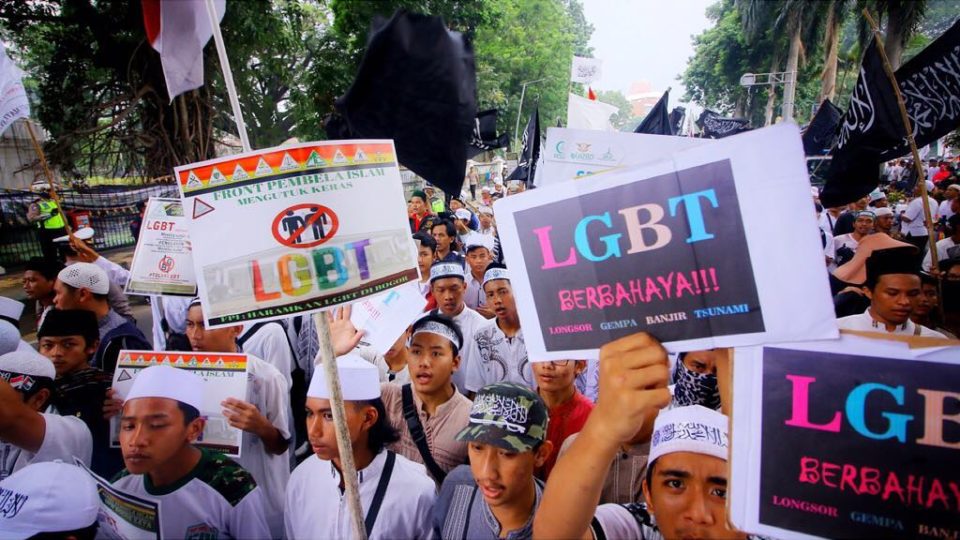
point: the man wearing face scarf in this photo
(695, 380)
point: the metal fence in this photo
(109, 210)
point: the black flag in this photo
(819, 136)
(676, 119)
(872, 130)
(416, 85)
(529, 151)
(715, 126)
(657, 121)
(484, 136)
(870, 126)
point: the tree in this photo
(624, 114)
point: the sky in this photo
(645, 40)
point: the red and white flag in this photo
(178, 30)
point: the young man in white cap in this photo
(497, 495)
(85, 286)
(950, 194)
(497, 351)
(479, 252)
(845, 245)
(79, 248)
(30, 431)
(686, 482)
(463, 224)
(34, 503)
(429, 411)
(884, 221)
(448, 287)
(10, 312)
(396, 495)
(264, 415)
(203, 494)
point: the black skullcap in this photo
(70, 322)
(900, 260)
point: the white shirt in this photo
(915, 213)
(474, 296)
(497, 358)
(117, 274)
(270, 344)
(175, 310)
(64, 438)
(317, 509)
(217, 499)
(946, 209)
(866, 323)
(468, 321)
(942, 247)
(368, 353)
(266, 389)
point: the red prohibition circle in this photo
(333, 226)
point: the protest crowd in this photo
(456, 429)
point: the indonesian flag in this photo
(178, 30)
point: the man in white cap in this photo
(85, 286)
(202, 494)
(486, 196)
(79, 248)
(264, 415)
(497, 351)
(486, 220)
(878, 199)
(10, 312)
(30, 431)
(396, 495)
(479, 253)
(951, 194)
(686, 481)
(42, 508)
(845, 245)
(448, 287)
(463, 225)
(884, 222)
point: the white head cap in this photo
(955, 187)
(478, 240)
(463, 213)
(485, 210)
(20, 369)
(88, 276)
(9, 337)
(930, 185)
(877, 195)
(11, 310)
(170, 383)
(445, 269)
(694, 428)
(359, 380)
(883, 212)
(83, 233)
(485, 189)
(45, 506)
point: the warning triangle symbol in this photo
(201, 208)
(217, 177)
(263, 168)
(124, 376)
(315, 160)
(288, 163)
(239, 173)
(338, 157)
(193, 181)
(359, 156)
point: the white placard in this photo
(385, 316)
(163, 259)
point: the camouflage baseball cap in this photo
(507, 415)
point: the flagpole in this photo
(228, 75)
(48, 174)
(917, 164)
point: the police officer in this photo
(45, 212)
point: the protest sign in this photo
(123, 516)
(296, 228)
(846, 439)
(574, 153)
(163, 261)
(716, 247)
(225, 375)
(385, 316)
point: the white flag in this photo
(583, 113)
(178, 30)
(13, 98)
(585, 70)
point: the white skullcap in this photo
(441, 270)
(930, 186)
(9, 337)
(485, 188)
(495, 273)
(693, 428)
(877, 195)
(954, 186)
(83, 233)
(883, 212)
(498, 181)
(170, 383)
(463, 213)
(359, 380)
(26, 362)
(41, 186)
(485, 209)
(88, 276)
(478, 240)
(46, 507)
(10, 310)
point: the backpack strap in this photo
(416, 433)
(378, 496)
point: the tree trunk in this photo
(790, 88)
(828, 82)
(771, 95)
(896, 30)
